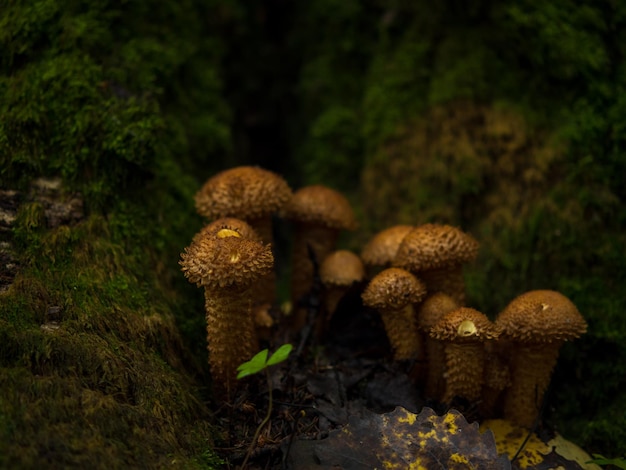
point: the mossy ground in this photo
(114, 100)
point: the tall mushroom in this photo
(251, 194)
(436, 253)
(434, 307)
(226, 265)
(319, 214)
(463, 332)
(393, 292)
(537, 323)
(381, 250)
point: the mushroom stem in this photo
(531, 369)
(497, 378)
(231, 335)
(464, 371)
(435, 354)
(264, 290)
(322, 241)
(448, 280)
(332, 297)
(401, 328)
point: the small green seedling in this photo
(258, 363)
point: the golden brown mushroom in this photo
(463, 332)
(340, 270)
(537, 324)
(436, 253)
(434, 307)
(393, 292)
(319, 214)
(226, 264)
(381, 250)
(251, 194)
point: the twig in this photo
(263, 423)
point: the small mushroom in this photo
(393, 292)
(381, 250)
(319, 214)
(537, 323)
(251, 194)
(463, 332)
(434, 307)
(339, 271)
(226, 265)
(436, 253)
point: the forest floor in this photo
(341, 402)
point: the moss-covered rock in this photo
(115, 105)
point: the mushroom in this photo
(251, 194)
(463, 332)
(537, 323)
(262, 319)
(382, 247)
(393, 292)
(437, 253)
(434, 307)
(319, 214)
(226, 264)
(339, 271)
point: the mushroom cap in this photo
(320, 205)
(433, 308)
(393, 289)
(229, 223)
(383, 246)
(222, 258)
(541, 316)
(247, 192)
(464, 324)
(342, 268)
(435, 246)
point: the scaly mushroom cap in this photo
(229, 223)
(382, 248)
(464, 324)
(320, 205)
(393, 288)
(342, 268)
(541, 316)
(224, 258)
(433, 308)
(433, 246)
(245, 192)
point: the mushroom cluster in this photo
(411, 275)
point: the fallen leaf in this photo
(404, 440)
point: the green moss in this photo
(122, 102)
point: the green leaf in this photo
(280, 355)
(254, 365)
